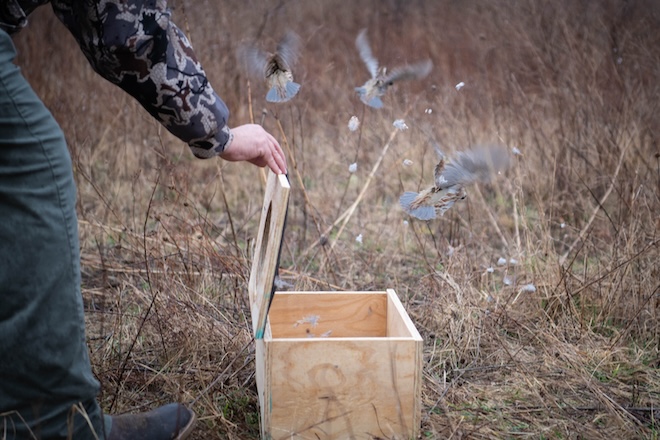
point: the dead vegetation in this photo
(574, 86)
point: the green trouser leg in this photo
(46, 378)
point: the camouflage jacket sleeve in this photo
(133, 44)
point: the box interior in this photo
(336, 315)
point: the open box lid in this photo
(267, 250)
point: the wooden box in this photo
(329, 365)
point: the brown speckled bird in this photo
(468, 167)
(376, 87)
(274, 67)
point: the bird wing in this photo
(365, 53)
(477, 164)
(439, 168)
(409, 71)
(254, 59)
(289, 48)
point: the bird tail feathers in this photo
(292, 89)
(375, 102)
(419, 212)
(406, 200)
(282, 95)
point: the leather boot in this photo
(169, 422)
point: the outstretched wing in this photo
(289, 48)
(409, 71)
(365, 53)
(254, 59)
(478, 164)
(439, 168)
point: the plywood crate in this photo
(329, 365)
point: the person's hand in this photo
(255, 145)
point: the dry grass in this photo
(575, 86)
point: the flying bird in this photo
(275, 68)
(381, 79)
(451, 179)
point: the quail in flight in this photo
(451, 179)
(381, 79)
(275, 68)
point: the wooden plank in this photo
(399, 323)
(262, 377)
(267, 249)
(340, 388)
(328, 314)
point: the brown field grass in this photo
(574, 85)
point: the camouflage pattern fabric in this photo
(135, 45)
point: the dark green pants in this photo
(45, 372)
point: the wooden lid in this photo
(267, 250)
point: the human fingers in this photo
(270, 154)
(279, 157)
